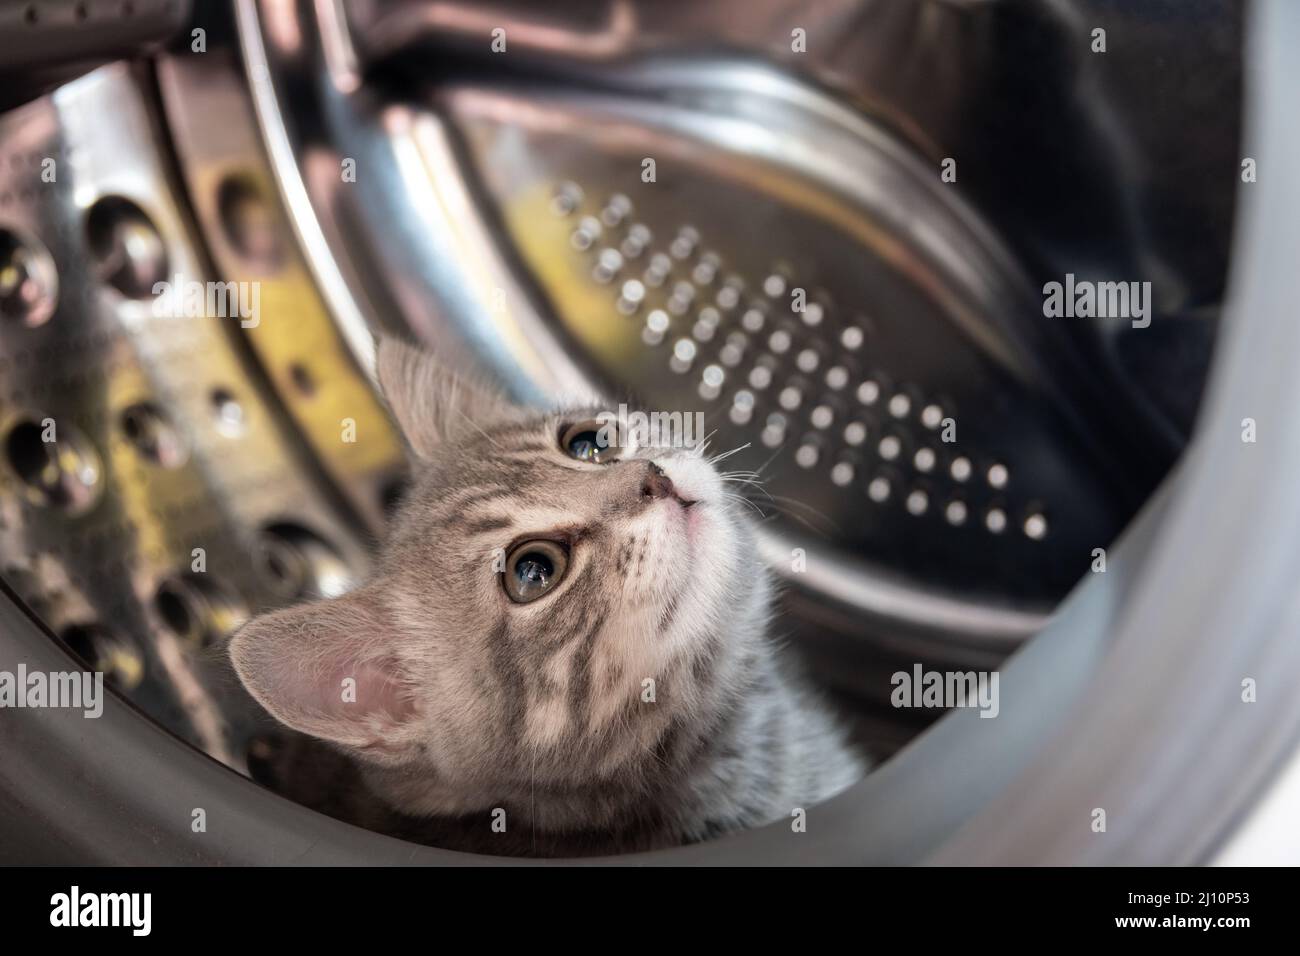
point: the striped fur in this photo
(468, 703)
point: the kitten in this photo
(575, 635)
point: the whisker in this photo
(701, 446)
(794, 502)
(785, 505)
(749, 488)
(727, 454)
(746, 481)
(731, 496)
(475, 424)
(780, 448)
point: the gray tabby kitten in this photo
(573, 634)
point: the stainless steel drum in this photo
(838, 260)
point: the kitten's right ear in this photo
(430, 401)
(331, 669)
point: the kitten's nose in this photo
(656, 483)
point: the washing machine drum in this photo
(944, 440)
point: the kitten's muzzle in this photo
(657, 484)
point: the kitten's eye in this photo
(534, 569)
(596, 442)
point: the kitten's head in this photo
(546, 615)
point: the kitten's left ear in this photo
(430, 401)
(330, 669)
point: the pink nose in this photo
(656, 484)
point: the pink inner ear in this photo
(295, 662)
(378, 703)
(380, 693)
(311, 696)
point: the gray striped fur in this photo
(467, 703)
